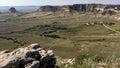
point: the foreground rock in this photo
(32, 56)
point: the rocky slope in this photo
(32, 56)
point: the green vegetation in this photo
(66, 35)
(87, 62)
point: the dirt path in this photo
(111, 29)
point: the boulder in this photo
(34, 64)
(31, 56)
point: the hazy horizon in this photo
(54, 2)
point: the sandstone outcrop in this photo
(32, 56)
(98, 8)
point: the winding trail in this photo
(111, 29)
(104, 36)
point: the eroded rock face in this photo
(97, 8)
(32, 56)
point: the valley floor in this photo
(67, 35)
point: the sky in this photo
(53, 2)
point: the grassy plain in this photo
(67, 35)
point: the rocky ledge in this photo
(32, 56)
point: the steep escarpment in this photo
(32, 56)
(53, 8)
(82, 7)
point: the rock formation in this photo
(49, 8)
(12, 10)
(32, 56)
(53, 8)
(99, 8)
